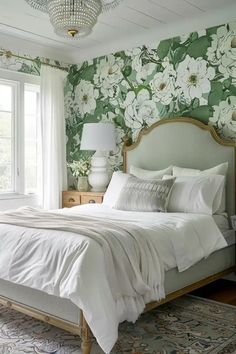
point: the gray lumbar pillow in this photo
(144, 195)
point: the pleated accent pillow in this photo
(144, 195)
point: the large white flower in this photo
(85, 96)
(224, 117)
(135, 55)
(193, 77)
(163, 85)
(140, 111)
(145, 71)
(109, 75)
(222, 51)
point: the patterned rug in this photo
(186, 325)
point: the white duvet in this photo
(78, 266)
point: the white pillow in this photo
(195, 194)
(181, 171)
(219, 204)
(118, 180)
(148, 174)
(216, 170)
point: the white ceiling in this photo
(131, 22)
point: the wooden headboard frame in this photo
(184, 142)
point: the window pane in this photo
(5, 124)
(5, 150)
(31, 139)
(5, 178)
(5, 98)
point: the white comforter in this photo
(75, 265)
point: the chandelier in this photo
(73, 18)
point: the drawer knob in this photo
(71, 200)
(92, 201)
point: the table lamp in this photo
(99, 137)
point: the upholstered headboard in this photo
(184, 142)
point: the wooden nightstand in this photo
(73, 198)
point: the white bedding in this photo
(75, 268)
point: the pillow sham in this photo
(195, 194)
(114, 188)
(144, 195)
(219, 204)
(148, 174)
(216, 170)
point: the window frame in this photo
(19, 80)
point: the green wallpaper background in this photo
(191, 75)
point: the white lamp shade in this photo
(98, 136)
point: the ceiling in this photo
(132, 19)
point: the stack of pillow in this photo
(173, 189)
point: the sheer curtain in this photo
(54, 171)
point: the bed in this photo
(161, 145)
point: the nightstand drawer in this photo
(90, 199)
(70, 199)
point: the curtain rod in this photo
(9, 54)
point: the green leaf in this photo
(199, 47)
(163, 48)
(88, 73)
(193, 36)
(232, 90)
(212, 30)
(74, 76)
(127, 71)
(216, 93)
(195, 103)
(227, 82)
(226, 94)
(119, 121)
(179, 54)
(141, 87)
(202, 113)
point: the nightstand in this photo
(73, 198)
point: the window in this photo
(7, 134)
(20, 167)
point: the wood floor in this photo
(221, 290)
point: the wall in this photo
(191, 75)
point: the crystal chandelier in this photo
(73, 18)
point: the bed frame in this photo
(184, 142)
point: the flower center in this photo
(162, 86)
(85, 98)
(110, 71)
(192, 79)
(233, 42)
(8, 54)
(234, 115)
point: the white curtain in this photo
(54, 171)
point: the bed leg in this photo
(86, 336)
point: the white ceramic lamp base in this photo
(98, 175)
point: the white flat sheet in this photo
(177, 239)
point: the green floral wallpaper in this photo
(24, 63)
(192, 75)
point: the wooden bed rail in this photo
(81, 329)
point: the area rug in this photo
(186, 325)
